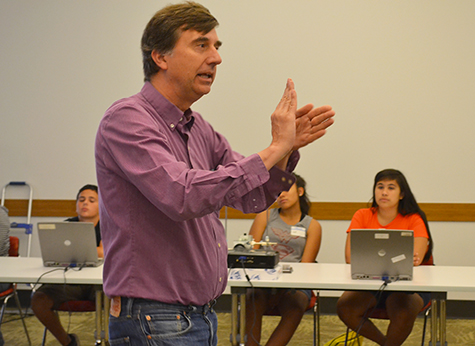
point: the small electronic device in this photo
(287, 268)
(244, 242)
(252, 258)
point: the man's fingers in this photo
(303, 110)
(325, 119)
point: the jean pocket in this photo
(165, 324)
(124, 341)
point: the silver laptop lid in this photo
(68, 244)
(381, 254)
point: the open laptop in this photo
(66, 244)
(382, 254)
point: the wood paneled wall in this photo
(451, 212)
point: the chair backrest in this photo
(14, 246)
(429, 262)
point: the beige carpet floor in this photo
(459, 332)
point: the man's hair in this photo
(164, 29)
(87, 187)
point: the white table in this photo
(29, 269)
(329, 276)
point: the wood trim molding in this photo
(449, 212)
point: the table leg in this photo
(107, 304)
(98, 333)
(234, 318)
(443, 316)
(242, 329)
(238, 316)
(438, 319)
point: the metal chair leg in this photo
(14, 294)
(44, 337)
(316, 321)
(426, 314)
(17, 301)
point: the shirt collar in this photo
(170, 113)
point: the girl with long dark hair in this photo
(393, 207)
(297, 237)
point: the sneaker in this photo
(74, 340)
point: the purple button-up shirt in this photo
(163, 177)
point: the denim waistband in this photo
(128, 305)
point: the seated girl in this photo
(297, 238)
(393, 207)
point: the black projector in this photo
(237, 258)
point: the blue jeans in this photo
(151, 323)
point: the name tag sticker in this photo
(298, 231)
(381, 236)
(398, 258)
(47, 226)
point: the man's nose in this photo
(215, 57)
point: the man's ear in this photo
(159, 59)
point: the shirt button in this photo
(290, 181)
(219, 244)
(181, 119)
(283, 179)
(220, 279)
(172, 125)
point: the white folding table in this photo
(438, 280)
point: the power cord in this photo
(74, 267)
(378, 296)
(253, 302)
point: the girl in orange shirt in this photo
(393, 207)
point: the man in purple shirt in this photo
(164, 174)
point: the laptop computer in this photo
(382, 254)
(66, 244)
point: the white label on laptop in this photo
(406, 234)
(381, 236)
(398, 258)
(298, 231)
(47, 226)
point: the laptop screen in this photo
(68, 244)
(381, 254)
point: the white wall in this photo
(399, 74)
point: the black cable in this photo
(378, 296)
(33, 287)
(253, 302)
